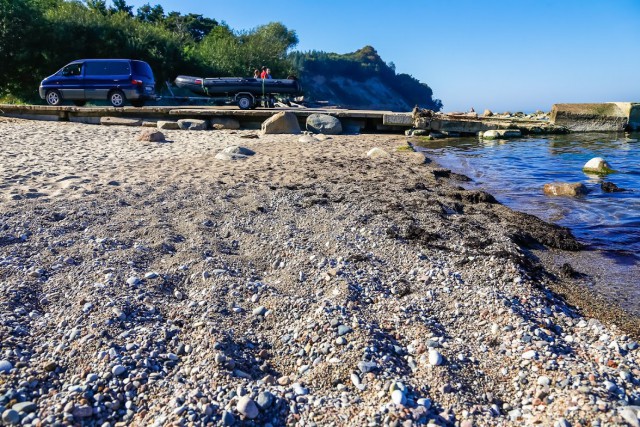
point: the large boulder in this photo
(192, 124)
(324, 123)
(501, 134)
(283, 122)
(598, 166)
(565, 189)
(224, 123)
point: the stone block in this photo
(398, 119)
(119, 121)
(602, 117)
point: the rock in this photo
(220, 123)
(366, 367)
(598, 166)
(92, 377)
(10, 416)
(343, 330)
(133, 281)
(5, 366)
(398, 397)
(324, 123)
(234, 152)
(259, 311)
(435, 358)
(487, 113)
(228, 419)
(119, 121)
(562, 422)
(543, 380)
(192, 124)
(265, 399)
(341, 341)
(83, 411)
(283, 122)
(307, 139)
(630, 416)
(167, 125)
(50, 366)
(24, 407)
(610, 187)
(150, 135)
(247, 407)
(148, 124)
(501, 134)
(118, 370)
(528, 355)
(376, 153)
(565, 189)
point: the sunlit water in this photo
(514, 171)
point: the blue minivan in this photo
(114, 80)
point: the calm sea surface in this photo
(514, 171)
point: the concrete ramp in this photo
(600, 117)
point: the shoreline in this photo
(307, 279)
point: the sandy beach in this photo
(146, 283)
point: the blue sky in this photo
(503, 55)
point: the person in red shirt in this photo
(263, 74)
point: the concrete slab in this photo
(398, 119)
(598, 117)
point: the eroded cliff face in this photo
(345, 92)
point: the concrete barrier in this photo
(600, 117)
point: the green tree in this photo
(153, 15)
(121, 6)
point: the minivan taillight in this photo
(198, 81)
(136, 82)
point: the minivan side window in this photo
(72, 70)
(107, 68)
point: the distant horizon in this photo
(497, 55)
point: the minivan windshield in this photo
(142, 69)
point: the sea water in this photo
(515, 171)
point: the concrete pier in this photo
(600, 117)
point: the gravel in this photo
(417, 304)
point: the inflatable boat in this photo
(232, 86)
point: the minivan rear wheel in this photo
(116, 98)
(53, 97)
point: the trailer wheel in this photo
(245, 102)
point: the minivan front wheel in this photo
(116, 98)
(53, 97)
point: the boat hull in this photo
(230, 86)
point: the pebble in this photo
(562, 422)
(118, 370)
(228, 419)
(366, 367)
(11, 416)
(265, 399)
(259, 311)
(247, 407)
(528, 355)
(5, 366)
(630, 416)
(133, 281)
(343, 330)
(24, 407)
(398, 397)
(435, 358)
